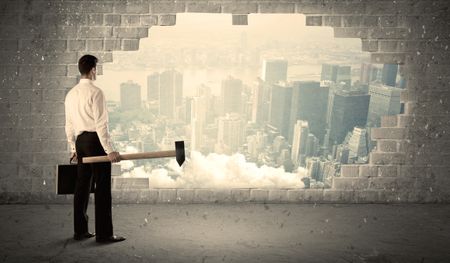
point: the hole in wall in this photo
(224, 90)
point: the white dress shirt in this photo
(85, 109)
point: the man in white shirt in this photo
(87, 134)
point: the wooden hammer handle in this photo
(131, 156)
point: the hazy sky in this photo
(214, 30)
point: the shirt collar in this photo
(85, 81)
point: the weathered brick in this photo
(277, 195)
(352, 21)
(388, 46)
(240, 195)
(112, 44)
(167, 20)
(203, 7)
(387, 145)
(388, 21)
(313, 195)
(95, 19)
(167, 7)
(338, 196)
(240, 8)
(149, 20)
(95, 31)
(259, 195)
(276, 8)
(349, 170)
(295, 195)
(389, 121)
(130, 32)
(94, 45)
(98, 6)
(388, 133)
(349, 183)
(76, 45)
(239, 20)
(314, 20)
(136, 7)
(388, 170)
(112, 20)
(130, 20)
(345, 8)
(168, 195)
(351, 32)
(185, 195)
(384, 158)
(333, 21)
(130, 44)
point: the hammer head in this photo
(179, 150)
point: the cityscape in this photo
(272, 129)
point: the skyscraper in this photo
(230, 132)
(389, 74)
(358, 143)
(301, 131)
(170, 92)
(369, 73)
(274, 70)
(198, 121)
(280, 107)
(260, 102)
(231, 95)
(309, 103)
(384, 100)
(153, 86)
(344, 75)
(130, 95)
(329, 72)
(349, 109)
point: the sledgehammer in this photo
(178, 153)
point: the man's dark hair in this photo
(86, 63)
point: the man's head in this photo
(87, 65)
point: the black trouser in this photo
(88, 144)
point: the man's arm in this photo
(101, 121)
(70, 133)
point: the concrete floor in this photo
(233, 233)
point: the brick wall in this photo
(41, 41)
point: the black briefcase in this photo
(66, 177)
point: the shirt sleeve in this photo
(70, 133)
(100, 113)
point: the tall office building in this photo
(301, 132)
(357, 144)
(153, 86)
(384, 100)
(309, 103)
(260, 102)
(130, 95)
(329, 72)
(198, 121)
(274, 70)
(389, 74)
(344, 75)
(369, 73)
(230, 132)
(349, 109)
(280, 107)
(313, 168)
(231, 96)
(170, 92)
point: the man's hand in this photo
(73, 156)
(114, 157)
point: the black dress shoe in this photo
(83, 236)
(110, 239)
